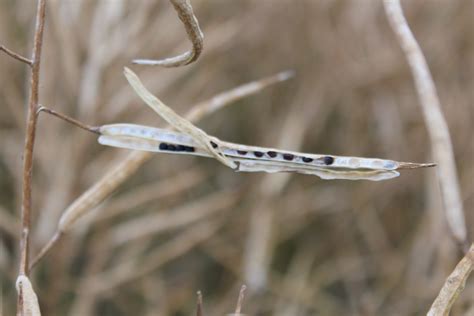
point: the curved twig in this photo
(191, 24)
(52, 242)
(453, 286)
(16, 55)
(70, 120)
(436, 124)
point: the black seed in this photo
(214, 145)
(241, 152)
(171, 147)
(306, 159)
(328, 160)
(272, 154)
(163, 146)
(188, 148)
(180, 148)
(288, 156)
(258, 154)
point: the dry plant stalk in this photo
(16, 55)
(127, 167)
(329, 199)
(436, 124)
(453, 286)
(30, 137)
(26, 298)
(191, 24)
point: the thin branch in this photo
(28, 155)
(16, 56)
(191, 24)
(52, 242)
(30, 138)
(453, 286)
(436, 124)
(92, 129)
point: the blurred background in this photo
(302, 245)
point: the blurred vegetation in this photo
(303, 246)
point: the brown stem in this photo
(92, 129)
(30, 137)
(16, 56)
(53, 241)
(28, 149)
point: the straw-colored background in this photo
(303, 246)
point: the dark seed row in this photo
(328, 160)
(171, 147)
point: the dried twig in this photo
(16, 56)
(453, 286)
(22, 286)
(30, 137)
(68, 119)
(191, 24)
(436, 124)
(57, 235)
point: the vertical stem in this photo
(435, 122)
(30, 137)
(28, 149)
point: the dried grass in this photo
(301, 245)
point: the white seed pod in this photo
(191, 140)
